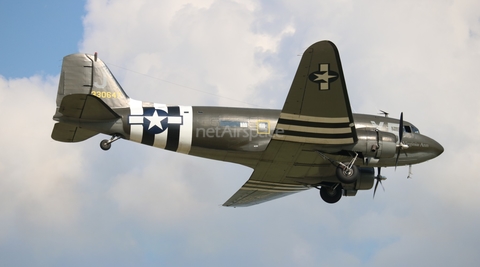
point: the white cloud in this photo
(38, 176)
(397, 56)
(135, 204)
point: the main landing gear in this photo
(331, 194)
(107, 144)
(347, 172)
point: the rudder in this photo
(86, 74)
(88, 95)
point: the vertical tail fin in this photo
(86, 74)
(87, 97)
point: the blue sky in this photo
(37, 34)
(75, 205)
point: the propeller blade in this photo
(379, 179)
(376, 185)
(400, 130)
(400, 138)
(398, 155)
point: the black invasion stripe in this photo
(147, 138)
(314, 124)
(314, 135)
(173, 130)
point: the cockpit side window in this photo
(408, 129)
(415, 129)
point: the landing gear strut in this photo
(347, 175)
(347, 172)
(331, 194)
(107, 144)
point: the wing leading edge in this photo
(317, 111)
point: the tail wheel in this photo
(331, 194)
(347, 175)
(105, 144)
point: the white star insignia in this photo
(324, 76)
(155, 120)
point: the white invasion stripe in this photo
(274, 190)
(313, 140)
(135, 119)
(186, 129)
(175, 120)
(161, 106)
(160, 140)
(319, 130)
(297, 117)
(135, 107)
(136, 131)
(278, 188)
(272, 183)
(272, 187)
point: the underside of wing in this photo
(269, 179)
(317, 109)
(285, 168)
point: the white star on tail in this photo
(155, 120)
(324, 76)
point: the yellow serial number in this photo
(101, 94)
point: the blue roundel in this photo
(155, 121)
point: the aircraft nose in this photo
(429, 148)
(437, 149)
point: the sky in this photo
(72, 204)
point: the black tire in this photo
(347, 176)
(105, 145)
(331, 195)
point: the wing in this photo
(316, 112)
(317, 109)
(285, 168)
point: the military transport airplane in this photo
(313, 142)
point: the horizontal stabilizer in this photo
(69, 133)
(88, 107)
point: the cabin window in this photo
(263, 127)
(241, 124)
(408, 129)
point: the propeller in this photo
(379, 179)
(401, 146)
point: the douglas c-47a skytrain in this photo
(313, 142)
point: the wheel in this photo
(105, 144)
(347, 175)
(331, 194)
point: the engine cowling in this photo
(376, 144)
(364, 182)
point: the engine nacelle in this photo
(364, 182)
(376, 144)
